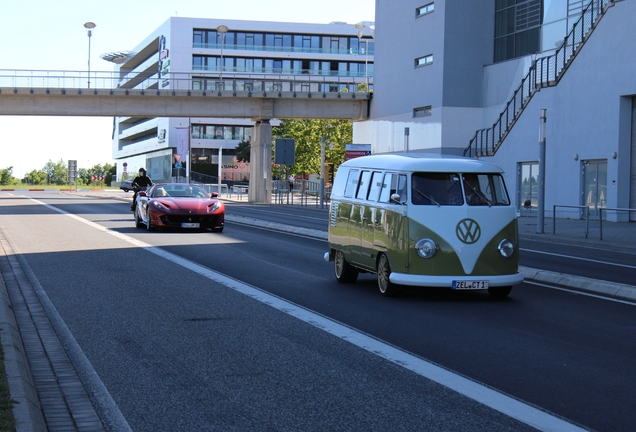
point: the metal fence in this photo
(300, 192)
(99, 80)
(585, 212)
(544, 72)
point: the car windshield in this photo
(179, 191)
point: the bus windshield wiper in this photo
(426, 196)
(478, 193)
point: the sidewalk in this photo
(619, 236)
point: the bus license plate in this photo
(470, 285)
(190, 225)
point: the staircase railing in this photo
(544, 72)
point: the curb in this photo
(27, 410)
(606, 288)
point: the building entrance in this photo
(595, 186)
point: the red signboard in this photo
(352, 154)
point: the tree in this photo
(36, 177)
(6, 176)
(56, 172)
(243, 151)
(307, 134)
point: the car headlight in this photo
(160, 206)
(506, 248)
(214, 207)
(426, 248)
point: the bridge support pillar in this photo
(261, 163)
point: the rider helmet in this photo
(142, 172)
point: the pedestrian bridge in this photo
(257, 97)
(68, 93)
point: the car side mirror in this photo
(214, 194)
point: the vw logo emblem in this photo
(468, 231)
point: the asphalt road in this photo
(248, 330)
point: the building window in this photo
(424, 61)
(423, 10)
(424, 111)
(517, 28)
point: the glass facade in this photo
(517, 28)
(525, 27)
(278, 66)
(284, 42)
(208, 131)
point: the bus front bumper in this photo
(447, 281)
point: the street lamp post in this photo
(89, 28)
(361, 26)
(541, 179)
(222, 29)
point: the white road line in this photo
(480, 393)
(578, 292)
(577, 258)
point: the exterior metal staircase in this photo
(545, 72)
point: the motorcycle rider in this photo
(141, 181)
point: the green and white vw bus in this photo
(424, 220)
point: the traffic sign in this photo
(177, 157)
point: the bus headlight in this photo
(426, 248)
(506, 248)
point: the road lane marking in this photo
(578, 258)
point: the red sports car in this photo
(179, 205)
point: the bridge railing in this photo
(185, 81)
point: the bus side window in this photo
(385, 192)
(376, 185)
(352, 183)
(393, 184)
(363, 188)
(401, 188)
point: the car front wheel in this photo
(149, 221)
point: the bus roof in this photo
(422, 162)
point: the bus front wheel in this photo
(387, 288)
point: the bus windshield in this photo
(454, 189)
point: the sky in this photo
(50, 35)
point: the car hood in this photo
(186, 205)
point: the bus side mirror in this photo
(396, 198)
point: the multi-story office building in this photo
(229, 55)
(465, 76)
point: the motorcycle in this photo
(136, 190)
